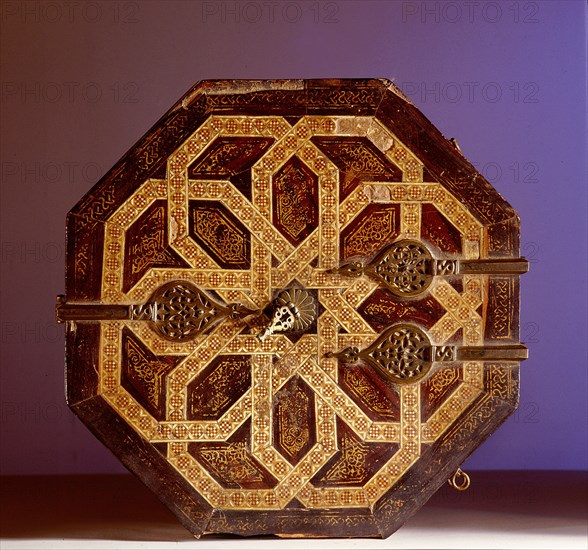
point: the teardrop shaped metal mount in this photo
(407, 267)
(177, 311)
(404, 353)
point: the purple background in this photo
(81, 82)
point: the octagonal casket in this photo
(292, 308)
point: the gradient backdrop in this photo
(82, 81)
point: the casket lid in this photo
(293, 308)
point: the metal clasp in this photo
(294, 310)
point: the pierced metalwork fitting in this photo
(407, 268)
(404, 353)
(294, 310)
(178, 311)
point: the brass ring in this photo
(459, 480)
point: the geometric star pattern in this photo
(277, 263)
(243, 190)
